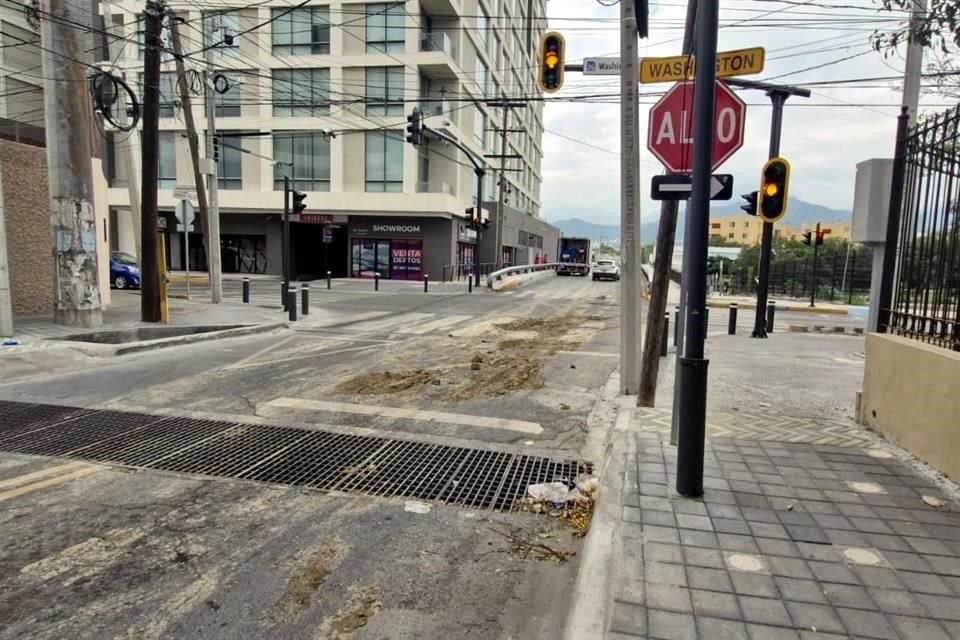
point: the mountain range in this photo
(799, 213)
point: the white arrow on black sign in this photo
(679, 187)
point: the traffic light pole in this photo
(778, 98)
(816, 256)
(285, 239)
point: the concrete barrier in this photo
(513, 281)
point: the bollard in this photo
(426, 283)
(328, 279)
(676, 325)
(469, 283)
(376, 282)
(246, 291)
(771, 312)
(283, 294)
(732, 321)
(663, 338)
(292, 304)
(304, 299)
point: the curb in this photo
(782, 307)
(103, 350)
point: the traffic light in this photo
(820, 238)
(298, 201)
(552, 52)
(750, 206)
(216, 148)
(808, 238)
(415, 127)
(775, 179)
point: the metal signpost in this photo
(185, 213)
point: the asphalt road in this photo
(92, 551)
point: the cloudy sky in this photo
(824, 136)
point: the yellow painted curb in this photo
(782, 307)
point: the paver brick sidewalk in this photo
(790, 541)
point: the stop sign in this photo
(670, 130)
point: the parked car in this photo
(606, 270)
(124, 272)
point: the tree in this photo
(940, 29)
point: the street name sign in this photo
(679, 187)
(670, 127)
(740, 62)
(601, 66)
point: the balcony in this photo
(440, 55)
(435, 187)
(437, 42)
(434, 107)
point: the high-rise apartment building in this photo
(320, 92)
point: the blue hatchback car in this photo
(124, 272)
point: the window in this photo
(385, 91)
(227, 104)
(301, 92)
(483, 25)
(164, 39)
(480, 75)
(479, 124)
(730, 236)
(386, 27)
(230, 163)
(220, 29)
(310, 154)
(733, 224)
(167, 161)
(743, 235)
(301, 31)
(168, 93)
(383, 161)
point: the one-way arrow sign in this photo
(678, 187)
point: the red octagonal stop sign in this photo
(670, 131)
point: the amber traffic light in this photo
(552, 53)
(772, 204)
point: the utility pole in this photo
(660, 281)
(194, 142)
(214, 265)
(630, 282)
(816, 251)
(498, 244)
(693, 366)
(150, 290)
(73, 220)
(913, 69)
(6, 297)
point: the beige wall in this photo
(910, 396)
(26, 205)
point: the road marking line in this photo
(436, 325)
(597, 354)
(485, 422)
(42, 473)
(400, 319)
(314, 353)
(257, 354)
(45, 484)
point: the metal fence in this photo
(926, 298)
(841, 278)
(453, 272)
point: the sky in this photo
(824, 136)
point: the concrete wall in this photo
(27, 210)
(515, 222)
(910, 396)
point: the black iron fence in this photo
(926, 298)
(841, 278)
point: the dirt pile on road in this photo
(497, 365)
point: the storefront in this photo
(466, 245)
(400, 248)
(391, 249)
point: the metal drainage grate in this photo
(474, 478)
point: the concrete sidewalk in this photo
(792, 540)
